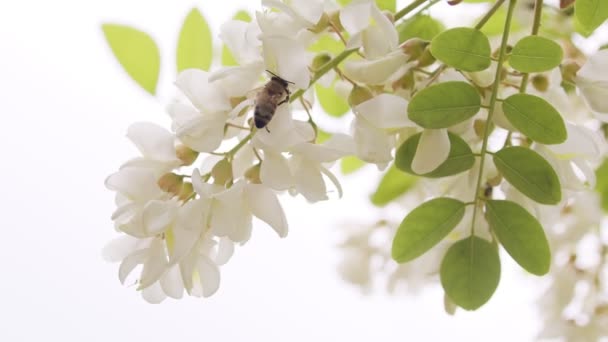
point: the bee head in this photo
(278, 78)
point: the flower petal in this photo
(355, 17)
(130, 262)
(153, 141)
(209, 276)
(119, 248)
(373, 144)
(308, 180)
(157, 216)
(288, 59)
(205, 96)
(153, 294)
(225, 249)
(171, 283)
(134, 183)
(241, 38)
(275, 172)
(385, 111)
(155, 266)
(433, 149)
(265, 205)
(378, 71)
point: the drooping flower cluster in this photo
(491, 143)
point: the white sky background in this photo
(66, 106)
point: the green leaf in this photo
(227, 57)
(470, 272)
(521, 235)
(496, 24)
(326, 43)
(387, 5)
(536, 118)
(529, 173)
(195, 44)
(462, 48)
(591, 13)
(332, 103)
(137, 53)
(393, 184)
(351, 164)
(322, 136)
(425, 226)
(443, 105)
(420, 26)
(535, 54)
(460, 158)
(601, 184)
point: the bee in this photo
(274, 94)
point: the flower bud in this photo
(359, 95)
(479, 126)
(186, 192)
(222, 172)
(426, 58)
(407, 81)
(569, 69)
(253, 174)
(171, 183)
(321, 25)
(186, 154)
(495, 181)
(540, 82)
(454, 2)
(320, 60)
(389, 15)
(334, 20)
(414, 48)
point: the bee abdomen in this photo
(262, 115)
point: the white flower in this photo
(592, 81)
(201, 126)
(384, 61)
(157, 147)
(232, 209)
(303, 171)
(368, 28)
(143, 208)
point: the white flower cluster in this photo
(180, 223)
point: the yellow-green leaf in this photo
(591, 13)
(470, 272)
(521, 235)
(443, 105)
(536, 118)
(195, 44)
(351, 164)
(137, 53)
(535, 54)
(393, 184)
(529, 173)
(332, 103)
(425, 226)
(463, 48)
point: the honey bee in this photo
(274, 94)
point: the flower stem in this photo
(489, 15)
(538, 11)
(408, 9)
(501, 58)
(323, 70)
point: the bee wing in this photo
(254, 92)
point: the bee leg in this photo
(286, 97)
(267, 130)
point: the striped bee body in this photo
(274, 93)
